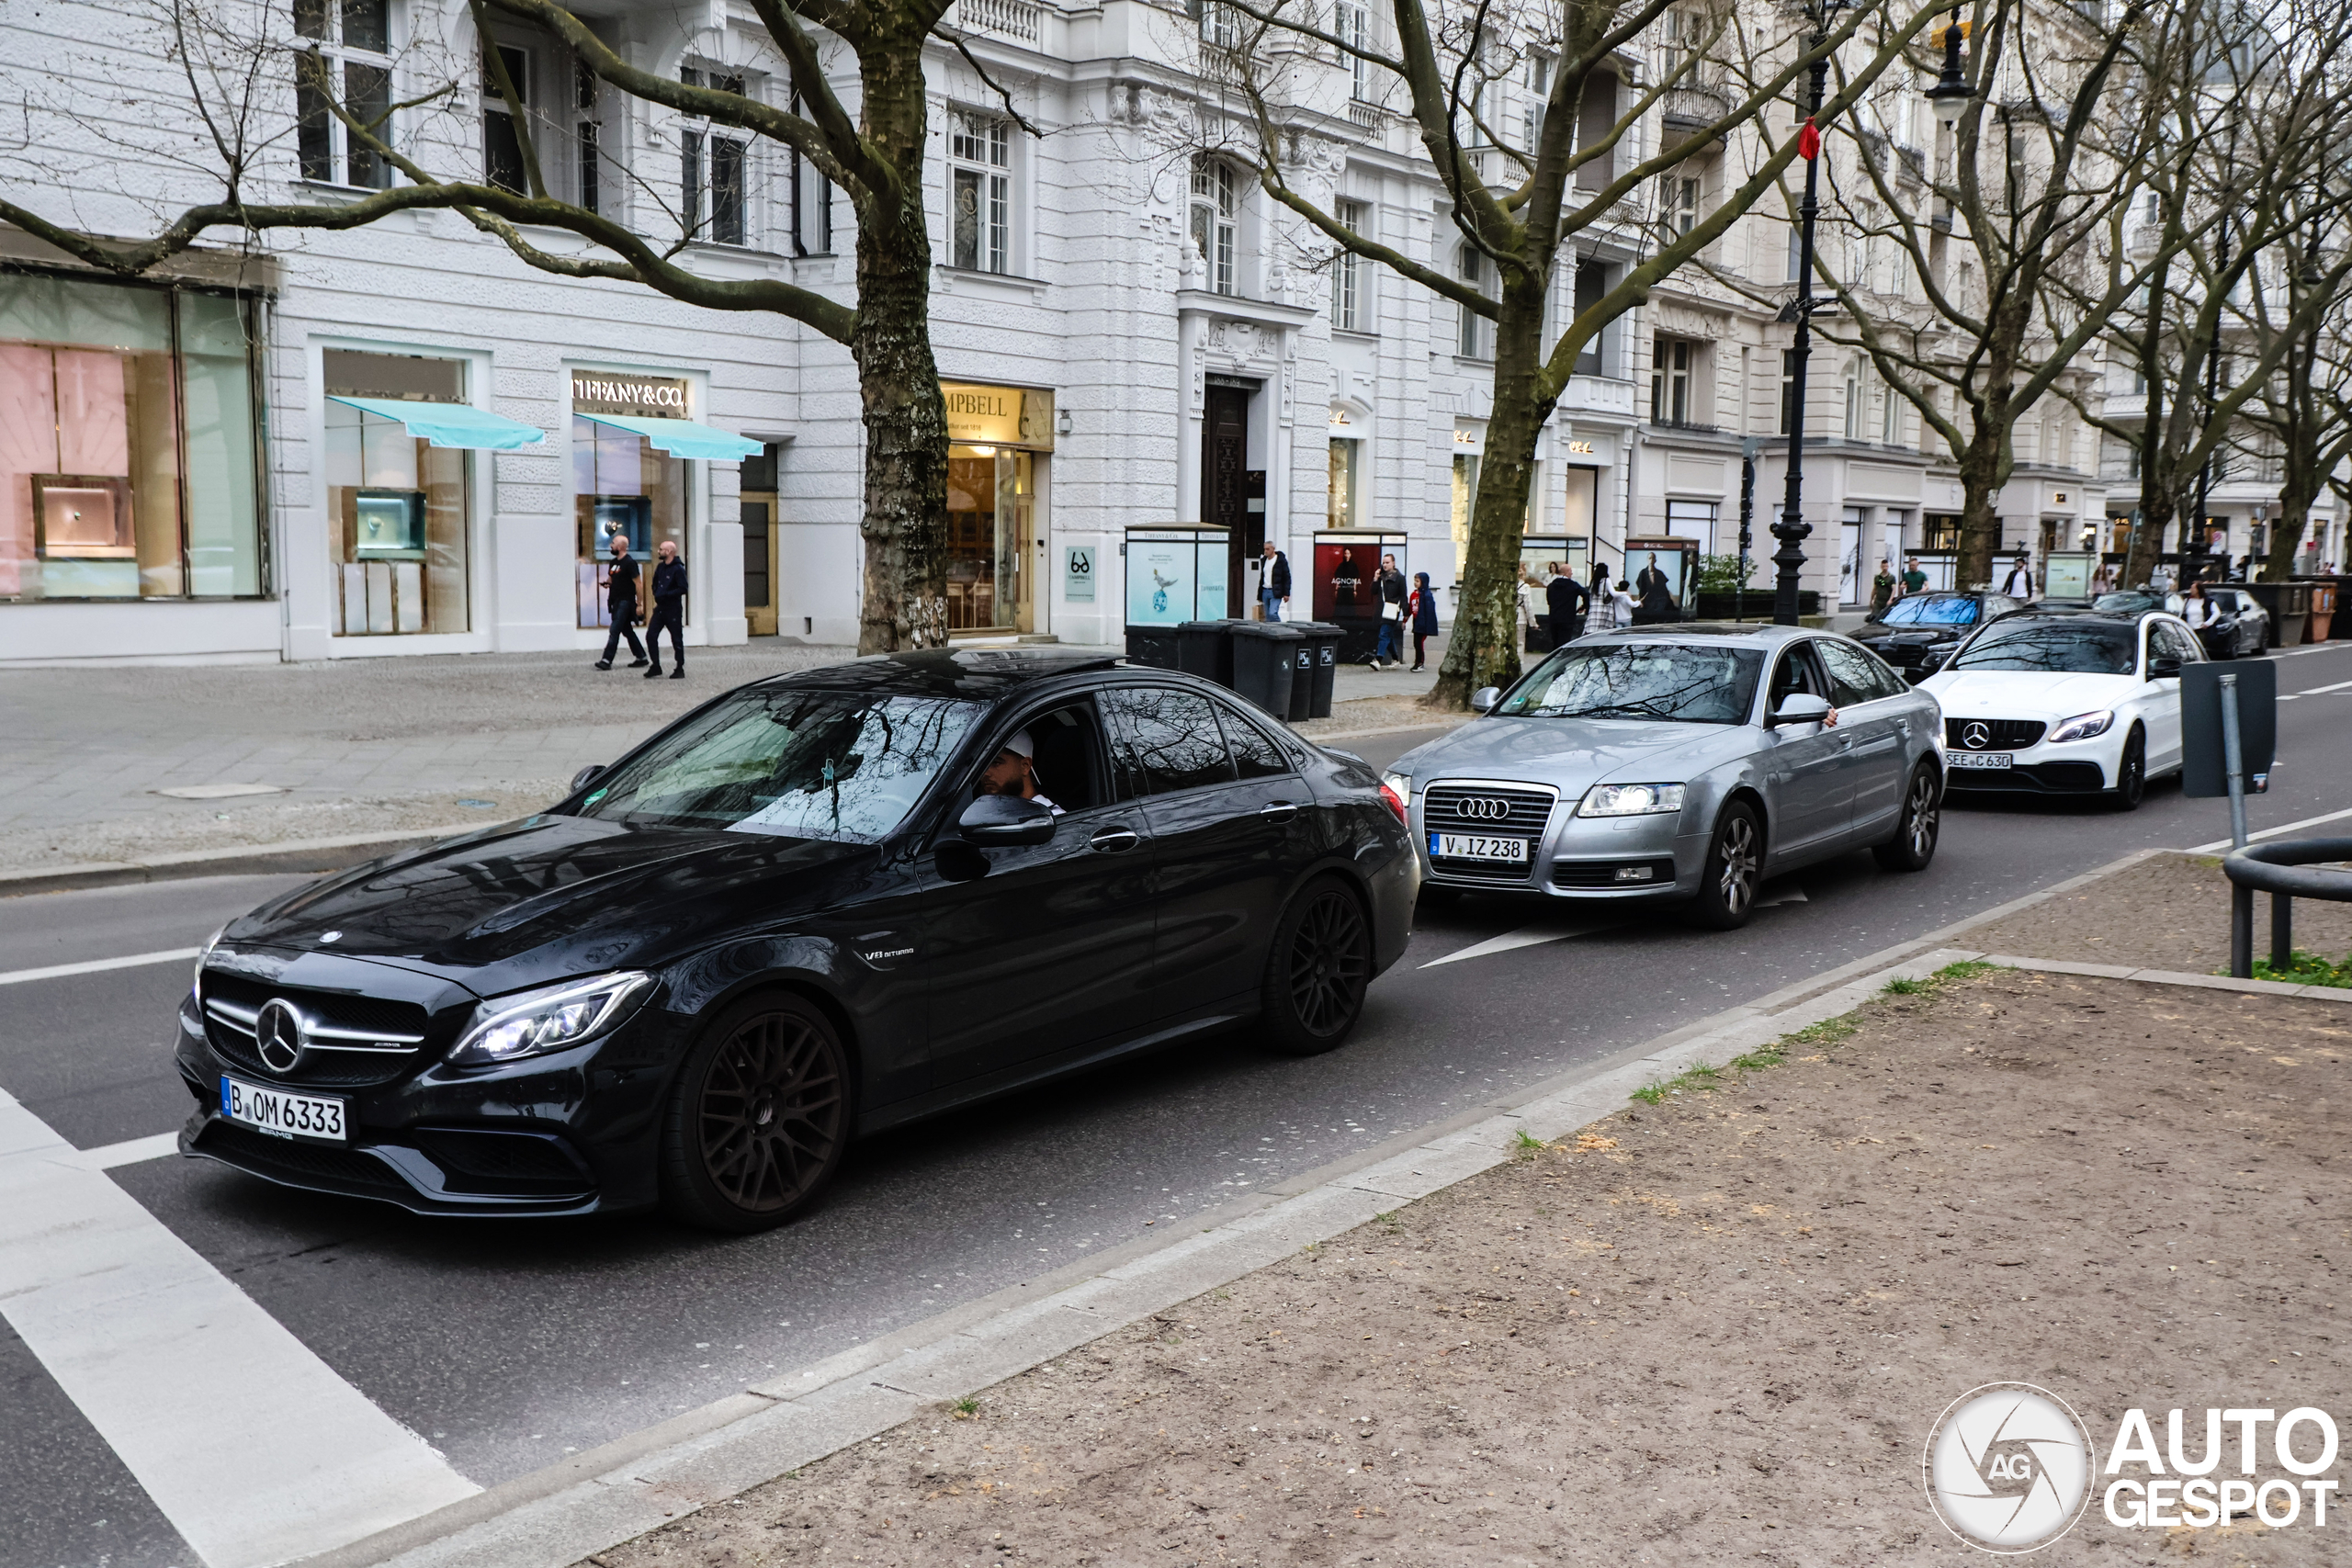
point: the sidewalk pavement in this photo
(1717, 1323)
(347, 748)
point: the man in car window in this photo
(1014, 772)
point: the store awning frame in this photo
(451, 425)
(682, 437)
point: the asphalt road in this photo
(509, 1344)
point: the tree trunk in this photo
(905, 520)
(1980, 530)
(1485, 646)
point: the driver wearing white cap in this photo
(1014, 772)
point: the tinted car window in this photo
(1254, 755)
(1164, 741)
(1064, 754)
(803, 764)
(1640, 680)
(1934, 610)
(2070, 647)
(1854, 676)
(1796, 672)
(2169, 641)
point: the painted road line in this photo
(2315, 691)
(249, 1443)
(97, 965)
(1526, 936)
(135, 1151)
(2269, 832)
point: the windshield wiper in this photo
(1646, 710)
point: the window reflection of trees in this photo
(2056, 650)
(808, 764)
(1691, 685)
(1167, 740)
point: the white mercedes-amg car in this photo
(2060, 701)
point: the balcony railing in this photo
(1372, 117)
(1015, 19)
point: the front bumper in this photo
(2073, 767)
(1613, 860)
(570, 1132)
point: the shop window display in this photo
(622, 483)
(397, 504)
(125, 472)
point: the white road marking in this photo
(2315, 691)
(1526, 936)
(133, 1151)
(248, 1442)
(2269, 832)
(97, 965)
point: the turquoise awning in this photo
(451, 425)
(682, 437)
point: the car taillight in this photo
(1394, 801)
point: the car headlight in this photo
(526, 1024)
(195, 981)
(1630, 800)
(1396, 793)
(2083, 726)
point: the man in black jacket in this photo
(1273, 585)
(1564, 600)
(668, 610)
(621, 601)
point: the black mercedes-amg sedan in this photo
(818, 906)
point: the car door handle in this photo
(1279, 811)
(1113, 840)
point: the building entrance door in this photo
(992, 498)
(1225, 481)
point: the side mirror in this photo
(1800, 707)
(1484, 699)
(587, 776)
(996, 820)
(2164, 669)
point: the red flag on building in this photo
(1809, 142)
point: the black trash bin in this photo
(1205, 648)
(1264, 655)
(1325, 637)
(1301, 677)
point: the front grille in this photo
(2005, 734)
(349, 1033)
(499, 1163)
(337, 1010)
(1603, 874)
(1522, 811)
(297, 1161)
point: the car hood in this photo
(2014, 694)
(1878, 631)
(1573, 753)
(549, 896)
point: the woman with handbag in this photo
(1390, 595)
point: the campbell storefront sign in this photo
(999, 416)
(600, 391)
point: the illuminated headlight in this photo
(195, 981)
(1396, 793)
(549, 1019)
(1630, 800)
(2083, 726)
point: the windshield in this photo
(2129, 602)
(1957, 610)
(2073, 648)
(1641, 679)
(797, 763)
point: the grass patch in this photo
(1525, 1146)
(2307, 969)
(963, 1409)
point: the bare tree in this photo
(1522, 196)
(243, 90)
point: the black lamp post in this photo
(2194, 549)
(1789, 527)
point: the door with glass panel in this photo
(991, 499)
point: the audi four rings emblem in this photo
(1482, 807)
(1977, 736)
(278, 1032)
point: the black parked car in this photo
(2235, 627)
(801, 913)
(1920, 632)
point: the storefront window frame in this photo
(249, 304)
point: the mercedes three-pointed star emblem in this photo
(278, 1032)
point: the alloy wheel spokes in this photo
(1739, 866)
(771, 1113)
(1328, 964)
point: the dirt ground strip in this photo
(2170, 911)
(1713, 1329)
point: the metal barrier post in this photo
(2242, 931)
(2283, 934)
(2234, 762)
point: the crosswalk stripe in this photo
(254, 1449)
(1526, 936)
(133, 1151)
(98, 965)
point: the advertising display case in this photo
(1176, 573)
(1347, 562)
(1663, 576)
(2066, 576)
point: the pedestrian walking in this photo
(1621, 607)
(1422, 609)
(1274, 584)
(620, 602)
(668, 610)
(1882, 591)
(2018, 584)
(1564, 603)
(1389, 594)
(1914, 581)
(2102, 581)
(2198, 610)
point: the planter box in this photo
(1714, 606)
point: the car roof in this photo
(983, 675)
(1759, 632)
(2067, 613)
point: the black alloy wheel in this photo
(1914, 844)
(760, 1116)
(1734, 868)
(2131, 774)
(1318, 970)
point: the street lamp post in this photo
(2193, 550)
(1789, 527)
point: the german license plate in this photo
(1467, 846)
(1995, 760)
(316, 1117)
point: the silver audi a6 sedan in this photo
(1679, 763)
